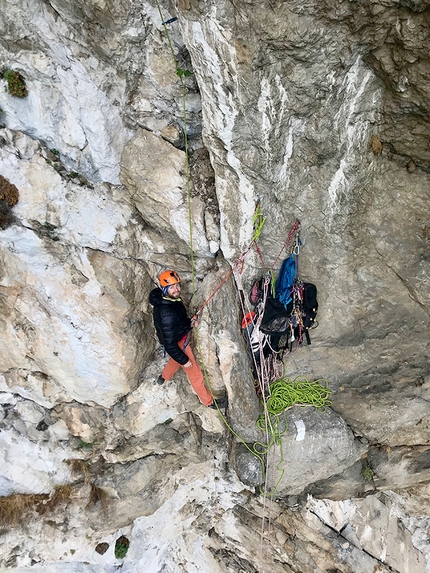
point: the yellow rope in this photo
(258, 224)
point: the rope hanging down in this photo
(181, 74)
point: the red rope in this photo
(241, 261)
(289, 239)
(260, 254)
(237, 262)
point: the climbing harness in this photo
(187, 338)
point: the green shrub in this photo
(367, 473)
(121, 547)
(85, 445)
(15, 83)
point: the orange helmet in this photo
(169, 278)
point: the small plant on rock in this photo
(15, 83)
(9, 196)
(8, 192)
(98, 495)
(61, 494)
(121, 547)
(78, 466)
(85, 445)
(182, 73)
(367, 473)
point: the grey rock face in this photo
(385, 537)
(249, 467)
(316, 445)
(319, 111)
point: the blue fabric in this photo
(285, 280)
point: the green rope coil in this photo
(285, 394)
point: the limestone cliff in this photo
(317, 110)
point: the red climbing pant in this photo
(194, 374)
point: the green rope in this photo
(273, 282)
(259, 221)
(181, 74)
(258, 224)
(301, 392)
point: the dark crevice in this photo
(339, 536)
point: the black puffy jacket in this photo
(171, 324)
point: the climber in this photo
(173, 327)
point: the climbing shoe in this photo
(160, 380)
(222, 403)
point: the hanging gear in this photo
(281, 321)
(285, 280)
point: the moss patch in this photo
(9, 196)
(15, 83)
(8, 192)
(121, 547)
